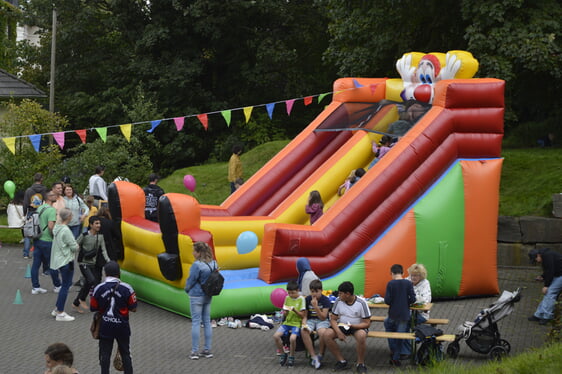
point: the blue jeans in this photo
(66, 272)
(545, 309)
(397, 346)
(200, 311)
(26, 246)
(42, 254)
(76, 229)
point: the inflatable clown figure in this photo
(419, 81)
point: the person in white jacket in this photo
(16, 217)
(417, 274)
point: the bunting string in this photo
(203, 118)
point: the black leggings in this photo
(92, 277)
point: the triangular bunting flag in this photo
(269, 107)
(308, 100)
(179, 121)
(126, 131)
(102, 132)
(248, 112)
(11, 144)
(227, 115)
(59, 138)
(322, 96)
(154, 124)
(82, 135)
(204, 120)
(357, 84)
(289, 104)
(35, 141)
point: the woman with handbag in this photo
(92, 245)
(200, 303)
(62, 259)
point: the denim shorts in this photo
(286, 330)
(315, 324)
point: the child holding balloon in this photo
(294, 310)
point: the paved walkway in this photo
(161, 340)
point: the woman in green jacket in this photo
(62, 259)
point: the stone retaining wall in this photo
(518, 235)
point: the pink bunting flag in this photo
(179, 121)
(204, 120)
(82, 135)
(308, 100)
(289, 104)
(59, 138)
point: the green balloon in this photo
(10, 188)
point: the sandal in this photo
(77, 309)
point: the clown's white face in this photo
(426, 72)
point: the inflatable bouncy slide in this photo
(432, 199)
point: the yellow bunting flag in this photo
(126, 130)
(248, 112)
(11, 144)
(102, 132)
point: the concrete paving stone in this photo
(161, 340)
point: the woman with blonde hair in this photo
(199, 302)
(417, 274)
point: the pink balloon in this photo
(278, 296)
(189, 182)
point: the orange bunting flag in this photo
(308, 100)
(179, 121)
(102, 132)
(227, 115)
(11, 144)
(289, 104)
(126, 131)
(82, 135)
(204, 120)
(59, 138)
(248, 112)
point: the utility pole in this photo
(53, 55)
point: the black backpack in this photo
(213, 285)
(430, 350)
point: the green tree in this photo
(21, 120)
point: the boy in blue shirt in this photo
(294, 311)
(316, 319)
(399, 296)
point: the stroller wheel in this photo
(453, 350)
(504, 343)
(498, 353)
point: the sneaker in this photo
(38, 290)
(54, 313)
(341, 365)
(315, 363)
(194, 356)
(238, 323)
(533, 319)
(26, 257)
(206, 353)
(283, 359)
(57, 289)
(278, 352)
(291, 362)
(286, 349)
(213, 323)
(543, 322)
(63, 317)
(223, 321)
(361, 368)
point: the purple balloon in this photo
(189, 182)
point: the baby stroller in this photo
(482, 335)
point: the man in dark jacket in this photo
(152, 193)
(551, 262)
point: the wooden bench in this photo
(432, 321)
(406, 336)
